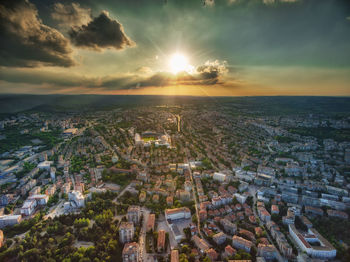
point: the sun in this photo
(178, 63)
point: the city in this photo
(175, 183)
(174, 131)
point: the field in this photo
(149, 139)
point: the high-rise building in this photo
(133, 214)
(126, 232)
(131, 252)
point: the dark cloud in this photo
(210, 73)
(212, 70)
(26, 41)
(72, 14)
(102, 32)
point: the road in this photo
(56, 210)
(178, 123)
(142, 240)
(195, 199)
(122, 193)
(252, 190)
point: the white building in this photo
(177, 213)
(219, 177)
(77, 198)
(45, 165)
(324, 250)
(53, 173)
(10, 220)
(40, 199)
(126, 232)
(131, 252)
(240, 198)
(28, 207)
(138, 139)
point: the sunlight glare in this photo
(178, 63)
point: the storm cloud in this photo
(102, 32)
(26, 41)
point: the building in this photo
(174, 255)
(50, 190)
(45, 165)
(28, 207)
(275, 209)
(53, 173)
(183, 195)
(322, 250)
(35, 190)
(70, 131)
(161, 241)
(151, 222)
(337, 191)
(200, 243)
(241, 243)
(188, 186)
(212, 254)
(155, 198)
(336, 213)
(9, 220)
(247, 234)
(290, 198)
(40, 199)
(229, 227)
(288, 220)
(268, 252)
(4, 200)
(264, 215)
(142, 196)
(219, 177)
(131, 252)
(313, 210)
(77, 198)
(1, 238)
(133, 214)
(169, 200)
(177, 213)
(203, 214)
(219, 238)
(126, 232)
(176, 231)
(229, 251)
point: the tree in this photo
(206, 259)
(183, 258)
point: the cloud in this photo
(71, 14)
(231, 2)
(102, 32)
(26, 41)
(270, 2)
(211, 70)
(209, 3)
(208, 74)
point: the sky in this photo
(175, 47)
